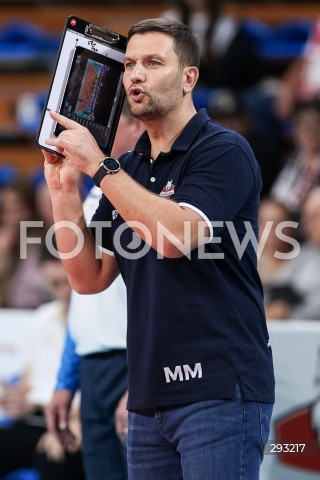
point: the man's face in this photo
(55, 280)
(307, 130)
(153, 78)
(311, 218)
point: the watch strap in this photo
(99, 175)
(102, 171)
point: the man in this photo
(201, 383)
(95, 357)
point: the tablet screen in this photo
(92, 93)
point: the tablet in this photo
(87, 83)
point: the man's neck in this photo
(163, 132)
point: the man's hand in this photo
(59, 174)
(57, 416)
(77, 145)
(50, 445)
(121, 418)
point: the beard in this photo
(160, 103)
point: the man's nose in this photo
(138, 74)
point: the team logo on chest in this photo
(168, 189)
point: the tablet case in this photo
(87, 83)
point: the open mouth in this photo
(136, 94)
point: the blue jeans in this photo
(208, 440)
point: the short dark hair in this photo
(185, 42)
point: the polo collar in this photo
(183, 142)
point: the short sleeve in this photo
(220, 180)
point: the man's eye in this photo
(154, 63)
(128, 65)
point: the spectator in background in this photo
(228, 57)
(271, 217)
(301, 81)
(95, 351)
(22, 442)
(20, 279)
(302, 170)
(294, 293)
(227, 108)
(43, 205)
(42, 200)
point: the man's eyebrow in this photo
(147, 55)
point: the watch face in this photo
(111, 164)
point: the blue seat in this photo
(8, 174)
(281, 42)
(22, 41)
(23, 474)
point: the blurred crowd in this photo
(283, 127)
(25, 211)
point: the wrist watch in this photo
(108, 166)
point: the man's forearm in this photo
(76, 243)
(161, 218)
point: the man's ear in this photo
(191, 75)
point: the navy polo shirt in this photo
(196, 325)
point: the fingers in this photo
(57, 423)
(50, 157)
(57, 418)
(69, 441)
(64, 121)
(62, 417)
(76, 144)
(121, 423)
(51, 419)
(49, 445)
(60, 142)
(121, 419)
